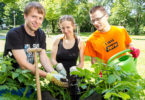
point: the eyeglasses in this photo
(97, 19)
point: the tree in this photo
(129, 13)
(120, 12)
(138, 14)
(52, 8)
(1, 12)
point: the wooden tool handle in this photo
(37, 74)
(34, 50)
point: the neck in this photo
(28, 30)
(70, 37)
(106, 29)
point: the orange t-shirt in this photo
(104, 45)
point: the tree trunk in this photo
(53, 26)
(136, 26)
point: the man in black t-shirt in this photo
(29, 35)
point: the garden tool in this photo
(35, 50)
(57, 79)
(126, 62)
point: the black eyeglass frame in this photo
(97, 19)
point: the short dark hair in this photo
(34, 5)
(100, 8)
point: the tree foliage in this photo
(130, 14)
(127, 13)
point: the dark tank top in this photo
(68, 57)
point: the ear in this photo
(25, 16)
(107, 16)
(74, 27)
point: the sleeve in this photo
(43, 40)
(14, 40)
(89, 50)
(127, 37)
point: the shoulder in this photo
(79, 39)
(93, 36)
(81, 42)
(57, 39)
(118, 27)
(15, 32)
(40, 31)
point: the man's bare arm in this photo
(21, 59)
(45, 61)
(93, 60)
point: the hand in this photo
(135, 52)
(54, 72)
(57, 79)
(73, 68)
(60, 68)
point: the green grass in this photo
(3, 32)
(85, 34)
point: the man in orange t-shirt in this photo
(107, 40)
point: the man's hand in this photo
(60, 68)
(57, 79)
(135, 52)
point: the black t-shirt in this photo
(18, 38)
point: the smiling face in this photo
(67, 27)
(33, 20)
(99, 20)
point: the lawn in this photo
(138, 42)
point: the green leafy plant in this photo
(14, 79)
(9, 96)
(56, 91)
(115, 83)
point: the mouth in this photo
(34, 25)
(97, 26)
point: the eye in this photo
(67, 27)
(62, 28)
(40, 18)
(33, 16)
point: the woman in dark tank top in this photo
(67, 48)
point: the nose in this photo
(96, 22)
(65, 30)
(37, 20)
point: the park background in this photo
(127, 13)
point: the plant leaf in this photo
(15, 75)
(111, 79)
(125, 96)
(107, 95)
(88, 93)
